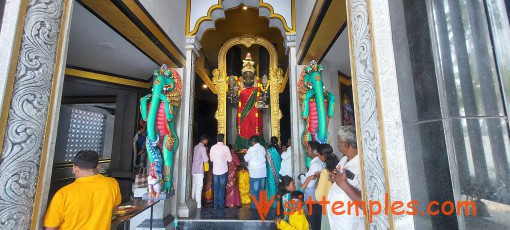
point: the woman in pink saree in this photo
(232, 198)
(207, 190)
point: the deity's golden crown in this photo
(248, 64)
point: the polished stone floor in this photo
(229, 218)
(245, 212)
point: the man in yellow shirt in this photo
(88, 202)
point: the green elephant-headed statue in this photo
(158, 110)
(318, 106)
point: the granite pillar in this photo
(394, 153)
(298, 162)
(368, 116)
(35, 36)
(185, 206)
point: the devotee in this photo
(324, 184)
(286, 186)
(139, 150)
(220, 156)
(257, 167)
(243, 182)
(316, 166)
(297, 220)
(344, 189)
(197, 169)
(286, 168)
(232, 190)
(207, 191)
(88, 202)
(273, 165)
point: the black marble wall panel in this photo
(421, 64)
(2, 7)
(431, 148)
(427, 155)
(126, 113)
(455, 128)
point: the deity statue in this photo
(348, 112)
(158, 109)
(249, 106)
(264, 96)
(154, 181)
(318, 105)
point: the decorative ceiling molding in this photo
(131, 21)
(327, 21)
(197, 24)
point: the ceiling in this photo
(95, 46)
(338, 57)
(238, 22)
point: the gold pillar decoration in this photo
(220, 80)
(275, 84)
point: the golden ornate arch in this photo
(219, 5)
(220, 80)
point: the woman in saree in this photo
(207, 191)
(232, 198)
(273, 165)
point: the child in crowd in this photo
(309, 185)
(297, 220)
(285, 188)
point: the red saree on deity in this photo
(232, 191)
(249, 119)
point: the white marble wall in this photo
(304, 9)
(282, 7)
(199, 9)
(330, 80)
(7, 39)
(171, 17)
(391, 125)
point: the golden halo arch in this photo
(220, 80)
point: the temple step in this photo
(230, 218)
(226, 224)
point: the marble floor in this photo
(229, 218)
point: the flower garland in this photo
(256, 109)
(239, 106)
